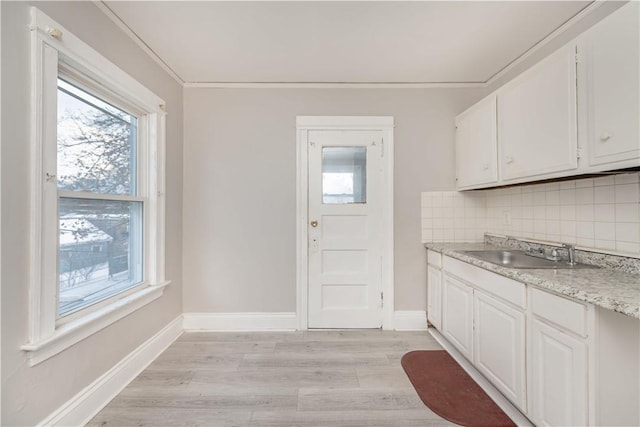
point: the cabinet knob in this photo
(485, 166)
(509, 160)
(605, 136)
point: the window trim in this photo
(52, 45)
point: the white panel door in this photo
(345, 205)
(499, 343)
(537, 123)
(558, 377)
(611, 65)
(457, 315)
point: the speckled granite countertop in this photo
(611, 289)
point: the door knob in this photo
(314, 223)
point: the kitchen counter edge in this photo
(609, 289)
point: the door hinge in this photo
(382, 299)
(578, 153)
(382, 148)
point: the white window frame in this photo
(51, 46)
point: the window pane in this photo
(344, 175)
(100, 250)
(96, 144)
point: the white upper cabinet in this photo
(537, 125)
(575, 112)
(476, 145)
(609, 88)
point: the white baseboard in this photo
(495, 395)
(240, 321)
(87, 403)
(406, 320)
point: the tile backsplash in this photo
(592, 213)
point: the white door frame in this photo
(304, 124)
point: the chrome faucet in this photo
(539, 252)
(571, 249)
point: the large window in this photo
(99, 211)
(97, 194)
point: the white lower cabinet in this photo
(457, 315)
(434, 289)
(434, 296)
(559, 360)
(530, 344)
(542, 351)
(499, 343)
(558, 377)
(488, 331)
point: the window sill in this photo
(71, 333)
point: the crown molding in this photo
(137, 40)
(587, 10)
(329, 85)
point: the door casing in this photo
(304, 124)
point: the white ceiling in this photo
(334, 42)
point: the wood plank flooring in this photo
(311, 378)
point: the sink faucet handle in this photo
(571, 249)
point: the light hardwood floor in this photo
(315, 378)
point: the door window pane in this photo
(344, 175)
(96, 144)
(100, 250)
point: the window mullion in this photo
(99, 196)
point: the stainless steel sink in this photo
(519, 259)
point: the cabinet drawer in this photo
(434, 258)
(567, 314)
(502, 287)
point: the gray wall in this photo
(240, 187)
(30, 394)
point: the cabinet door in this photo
(457, 315)
(477, 145)
(499, 346)
(558, 377)
(537, 124)
(434, 296)
(611, 65)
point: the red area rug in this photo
(449, 391)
